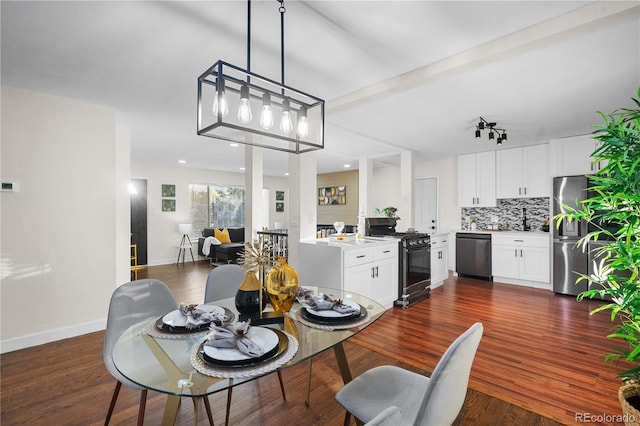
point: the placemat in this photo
(308, 323)
(249, 371)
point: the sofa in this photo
(225, 252)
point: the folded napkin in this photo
(326, 302)
(197, 317)
(234, 336)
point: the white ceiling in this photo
(396, 75)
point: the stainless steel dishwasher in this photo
(473, 255)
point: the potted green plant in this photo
(614, 211)
(387, 211)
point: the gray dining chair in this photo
(130, 304)
(223, 282)
(392, 396)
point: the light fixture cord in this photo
(248, 36)
(282, 11)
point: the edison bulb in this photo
(220, 104)
(266, 118)
(303, 124)
(244, 110)
(286, 124)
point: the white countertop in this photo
(357, 243)
(536, 232)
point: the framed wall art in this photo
(280, 195)
(168, 205)
(168, 191)
(279, 207)
(332, 195)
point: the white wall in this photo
(162, 227)
(386, 190)
(58, 243)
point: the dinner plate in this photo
(176, 319)
(333, 320)
(160, 325)
(330, 313)
(275, 342)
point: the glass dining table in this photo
(166, 363)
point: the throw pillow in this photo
(222, 236)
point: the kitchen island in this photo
(367, 266)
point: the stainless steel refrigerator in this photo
(569, 260)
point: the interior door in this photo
(426, 202)
(139, 218)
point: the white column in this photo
(365, 185)
(253, 182)
(302, 202)
(407, 183)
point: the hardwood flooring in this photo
(539, 363)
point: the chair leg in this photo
(114, 398)
(207, 406)
(143, 404)
(281, 385)
(229, 392)
(347, 418)
(307, 401)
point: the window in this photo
(216, 206)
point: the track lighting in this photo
(484, 124)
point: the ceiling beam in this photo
(535, 36)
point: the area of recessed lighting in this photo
(346, 166)
(242, 168)
(182, 161)
(234, 145)
(286, 174)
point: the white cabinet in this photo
(439, 259)
(477, 180)
(521, 257)
(522, 172)
(369, 269)
(572, 156)
(373, 272)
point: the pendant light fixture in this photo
(493, 130)
(228, 87)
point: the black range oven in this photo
(414, 263)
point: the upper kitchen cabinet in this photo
(572, 156)
(477, 180)
(522, 172)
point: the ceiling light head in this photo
(491, 134)
(477, 133)
(481, 124)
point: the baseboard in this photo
(48, 336)
(525, 283)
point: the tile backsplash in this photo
(509, 213)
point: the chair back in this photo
(223, 281)
(448, 383)
(132, 303)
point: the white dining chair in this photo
(130, 304)
(392, 396)
(223, 282)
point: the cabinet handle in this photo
(377, 274)
(373, 275)
(361, 256)
(520, 252)
(518, 241)
(525, 190)
(387, 251)
(515, 252)
(519, 191)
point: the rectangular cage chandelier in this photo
(230, 98)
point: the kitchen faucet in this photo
(525, 227)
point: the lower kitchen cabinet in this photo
(521, 257)
(439, 259)
(369, 269)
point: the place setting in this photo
(238, 349)
(328, 312)
(188, 319)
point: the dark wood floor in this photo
(539, 363)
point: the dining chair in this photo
(389, 395)
(223, 282)
(130, 304)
